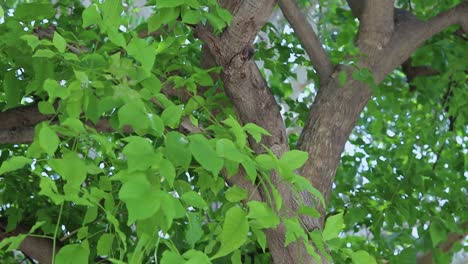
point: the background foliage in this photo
(152, 190)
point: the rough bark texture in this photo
(387, 37)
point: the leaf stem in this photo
(54, 245)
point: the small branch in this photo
(412, 72)
(48, 33)
(308, 38)
(376, 24)
(445, 247)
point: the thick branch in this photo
(410, 33)
(308, 39)
(37, 248)
(376, 24)
(331, 119)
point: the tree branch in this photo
(308, 39)
(37, 248)
(445, 247)
(376, 24)
(412, 72)
(410, 33)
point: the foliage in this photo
(152, 191)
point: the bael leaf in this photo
(333, 226)
(362, 256)
(293, 159)
(194, 199)
(235, 194)
(235, 231)
(141, 199)
(139, 153)
(226, 149)
(205, 154)
(104, 244)
(177, 149)
(171, 116)
(14, 163)
(73, 254)
(294, 231)
(168, 171)
(48, 140)
(169, 3)
(262, 215)
(34, 11)
(256, 131)
(59, 42)
(91, 16)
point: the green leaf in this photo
(293, 159)
(143, 53)
(46, 108)
(194, 199)
(168, 171)
(333, 226)
(196, 257)
(91, 16)
(48, 140)
(177, 149)
(34, 11)
(265, 161)
(224, 14)
(71, 168)
(310, 211)
(55, 90)
(91, 214)
(73, 254)
(256, 131)
(133, 113)
(191, 16)
(301, 183)
(262, 215)
(32, 40)
(194, 231)
(169, 3)
(226, 149)
(141, 199)
(205, 155)
(1, 12)
(362, 256)
(294, 231)
(235, 194)
(171, 116)
(13, 89)
(250, 169)
(437, 232)
(104, 244)
(237, 130)
(44, 53)
(14, 163)
(235, 231)
(170, 257)
(261, 238)
(59, 42)
(49, 189)
(139, 153)
(13, 242)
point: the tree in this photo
(138, 134)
